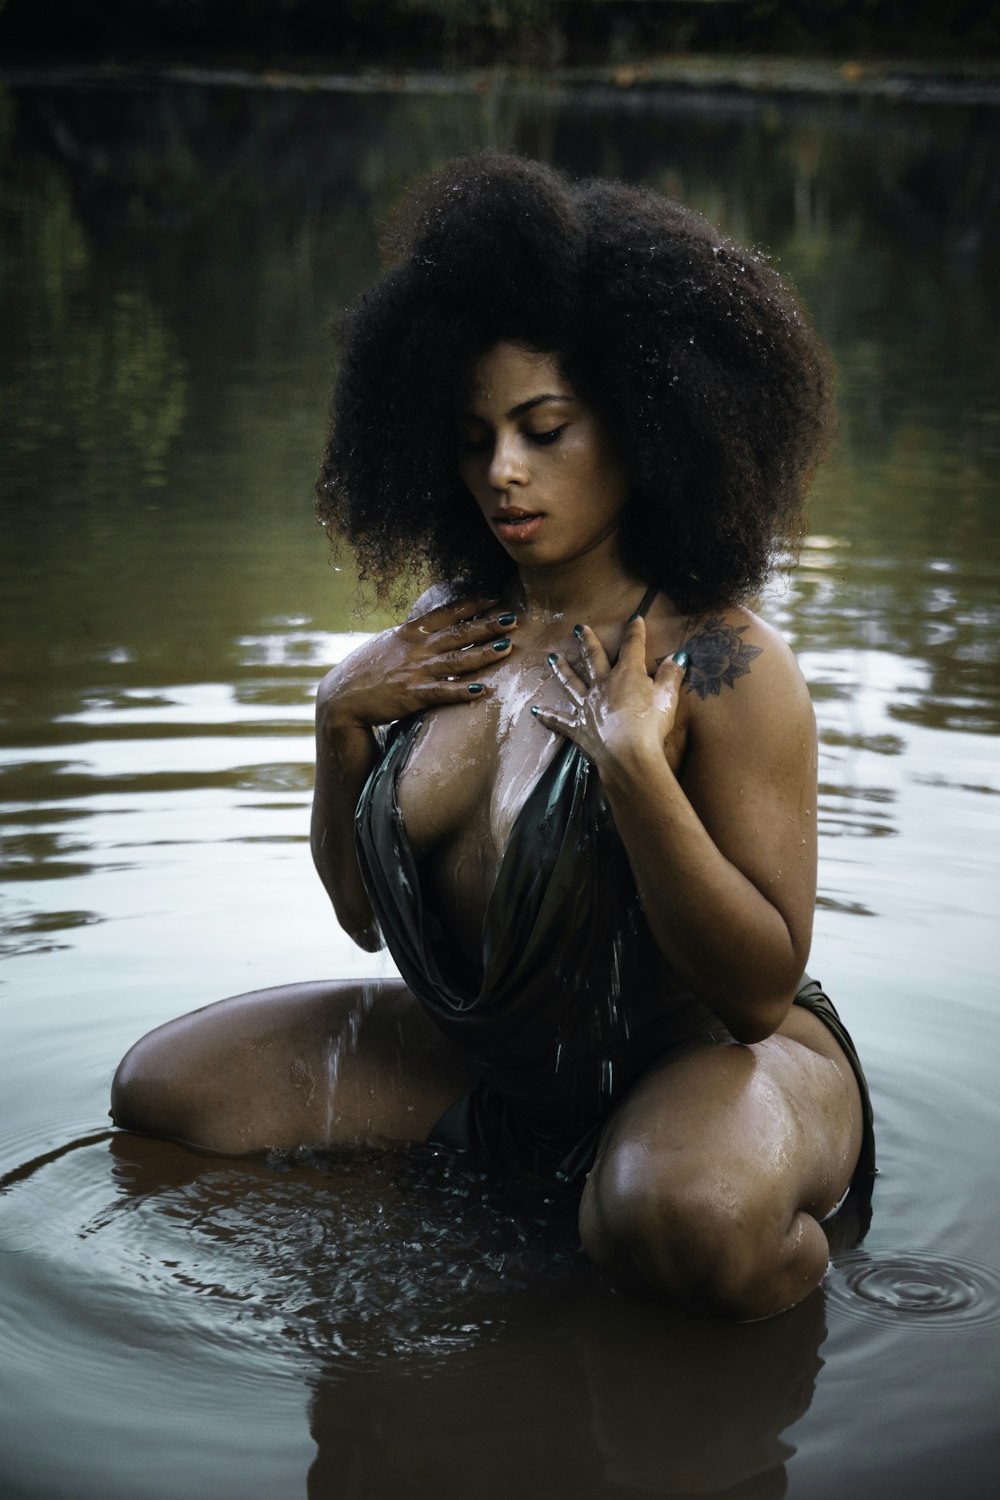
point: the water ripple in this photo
(914, 1288)
(359, 1256)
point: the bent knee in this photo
(683, 1236)
(150, 1092)
(139, 1089)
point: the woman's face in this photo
(539, 462)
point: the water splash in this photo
(360, 1256)
(345, 1040)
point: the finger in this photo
(593, 654)
(433, 692)
(472, 632)
(667, 681)
(458, 634)
(633, 647)
(470, 659)
(672, 669)
(567, 678)
(442, 616)
(559, 723)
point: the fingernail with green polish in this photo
(506, 621)
(552, 658)
(476, 687)
(534, 709)
(501, 645)
(681, 658)
(578, 631)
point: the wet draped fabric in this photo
(575, 999)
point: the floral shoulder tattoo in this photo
(716, 654)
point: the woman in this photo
(575, 789)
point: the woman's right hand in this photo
(437, 656)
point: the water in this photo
(364, 1327)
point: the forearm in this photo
(715, 927)
(345, 756)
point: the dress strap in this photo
(646, 601)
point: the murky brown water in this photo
(174, 1325)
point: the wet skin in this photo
(713, 1173)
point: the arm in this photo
(345, 757)
(724, 856)
(437, 656)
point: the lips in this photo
(512, 524)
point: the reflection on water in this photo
(173, 256)
(422, 1302)
(394, 1256)
(632, 1403)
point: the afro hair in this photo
(694, 350)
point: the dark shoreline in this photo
(904, 80)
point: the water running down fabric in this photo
(575, 1000)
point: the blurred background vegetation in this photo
(474, 32)
(174, 255)
(174, 250)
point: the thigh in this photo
(307, 1064)
(768, 1129)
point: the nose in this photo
(507, 465)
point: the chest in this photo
(472, 767)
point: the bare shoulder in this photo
(437, 595)
(735, 655)
(745, 693)
(750, 770)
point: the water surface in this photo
(348, 1326)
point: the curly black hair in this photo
(696, 351)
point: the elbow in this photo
(753, 1018)
(368, 937)
(355, 916)
(750, 1029)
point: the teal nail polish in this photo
(578, 631)
(501, 645)
(552, 658)
(681, 658)
(476, 687)
(506, 621)
(534, 709)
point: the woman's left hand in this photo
(618, 714)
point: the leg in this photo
(712, 1177)
(300, 1065)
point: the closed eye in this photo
(543, 439)
(471, 444)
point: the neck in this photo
(594, 586)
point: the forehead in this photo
(508, 374)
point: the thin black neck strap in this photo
(646, 600)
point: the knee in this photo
(132, 1087)
(682, 1236)
(146, 1092)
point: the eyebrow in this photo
(521, 408)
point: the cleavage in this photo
(470, 770)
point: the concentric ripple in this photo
(915, 1288)
(362, 1256)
